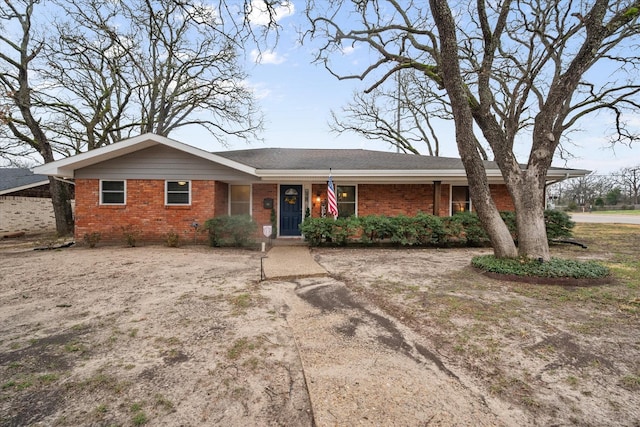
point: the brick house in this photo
(157, 185)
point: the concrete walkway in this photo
(290, 262)
(362, 367)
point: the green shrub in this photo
(274, 223)
(421, 230)
(473, 233)
(453, 232)
(404, 231)
(430, 229)
(234, 230)
(317, 230)
(509, 219)
(559, 224)
(555, 268)
(342, 229)
(374, 228)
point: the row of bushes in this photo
(462, 229)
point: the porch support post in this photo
(436, 197)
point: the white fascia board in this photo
(562, 174)
(23, 187)
(398, 175)
(67, 166)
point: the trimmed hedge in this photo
(462, 229)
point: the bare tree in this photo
(98, 71)
(585, 190)
(19, 114)
(117, 68)
(396, 114)
(629, 179)
(517, 71)
(404, 112)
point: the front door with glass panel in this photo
(290, 210)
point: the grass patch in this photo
(554, 268)
(163, 402)
(240, 347)
(241, 302)
(631, 382)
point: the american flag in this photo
(331, 198)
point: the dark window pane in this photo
(112, 192)
(178, 198)
(113, 198)
(346, 209)
(112, 185)
(177, 186)
(346, 193)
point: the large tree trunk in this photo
(499, 235)
(528, 198)
(497, 230)
(60, 198)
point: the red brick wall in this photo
(395, 199)
(261, 215)
(221, 206)
(501, 197)
(145, 211)
(407, 199)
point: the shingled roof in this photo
(300, 164)
(342, 159)
(15, 179)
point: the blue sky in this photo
(296, 98)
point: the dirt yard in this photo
(190, 336)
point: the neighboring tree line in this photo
(621, 188)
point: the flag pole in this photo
(332, 200)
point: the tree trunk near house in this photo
(498, 232)
(499, 235)
(529, 204)
(60, 198)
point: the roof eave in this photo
(66, 167)
(391, 175)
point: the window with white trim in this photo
(346, 195)
(240, 200)
(113, 192)
(460, 201)
(178, 192)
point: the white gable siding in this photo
(161, 162)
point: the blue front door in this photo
(290, 210)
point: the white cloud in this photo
(259, 14)
(348, 50)
(267, 57)
(260, 90)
